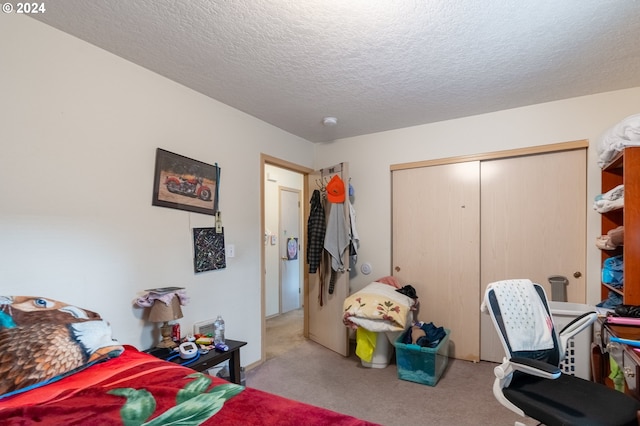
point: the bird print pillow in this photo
(43, 340)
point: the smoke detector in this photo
(329, 121)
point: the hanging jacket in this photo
(316, 229)
(336, 239)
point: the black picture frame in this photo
(208, 250)
(185, 184)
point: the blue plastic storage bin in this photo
(422, 365)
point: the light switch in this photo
(231, 250)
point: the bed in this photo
(113, 384)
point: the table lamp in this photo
(161, 312)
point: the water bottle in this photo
(218, 334)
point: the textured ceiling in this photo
(374, 64)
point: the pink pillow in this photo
(392, 281)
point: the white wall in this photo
(371, 156)
(78, 132)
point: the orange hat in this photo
(335, 190)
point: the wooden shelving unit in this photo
(625, 169)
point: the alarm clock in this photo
(188, 350)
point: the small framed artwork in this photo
(292, 248)
(208, 253)
(185, 184)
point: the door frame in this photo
(305, 171)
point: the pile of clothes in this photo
(424, 334)
(613, 275)
(613, 271)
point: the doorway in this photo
(321, 322)
(283, 255)
(282, 222)
(290, 231)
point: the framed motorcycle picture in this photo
(185, 184)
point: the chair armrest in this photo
(576, 326)
(579, 323)
(536, 367)
(530, 366)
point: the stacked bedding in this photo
(617, 138)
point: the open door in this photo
(323, 308)
(289, 243)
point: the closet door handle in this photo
(577, 274)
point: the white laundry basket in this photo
(577, 360)
(384, 350)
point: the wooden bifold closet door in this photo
(436, 238)
(459, 226)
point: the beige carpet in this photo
(284, 332)
(308, 372)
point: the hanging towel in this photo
(527, 323)
(336, 239)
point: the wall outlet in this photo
(230, 250)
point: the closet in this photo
(461, 223)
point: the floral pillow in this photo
(43, 340)
(378, 307)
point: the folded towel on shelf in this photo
(612, 240)
(612, 194)
(603, 206)
(604, 243)
(616, 236)
(610, 200)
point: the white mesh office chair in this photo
(529, 381)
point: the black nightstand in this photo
(210, 359)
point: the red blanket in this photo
(138, 389)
